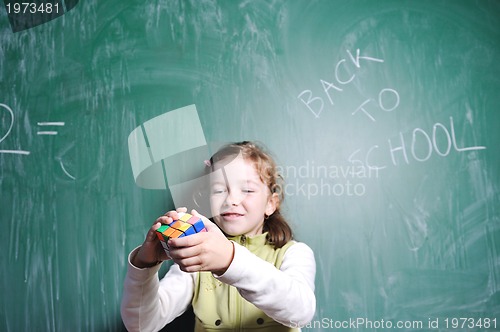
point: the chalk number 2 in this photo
(11, 114)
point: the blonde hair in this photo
(279, 232)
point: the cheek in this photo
(216, 201)
(256, 203)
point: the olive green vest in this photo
(219, 306)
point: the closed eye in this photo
(218, 191)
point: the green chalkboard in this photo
(383, 116)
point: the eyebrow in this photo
(257, 183)
(244, 182)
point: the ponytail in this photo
(279, 232)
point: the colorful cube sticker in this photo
(197, 223)
(187, 224)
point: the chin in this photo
(231, 232)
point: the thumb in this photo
(151, 236)
(208, 224)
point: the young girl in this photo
(244, 274)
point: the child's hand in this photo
(206, 251)
(151, 252)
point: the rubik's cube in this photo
(187, 224)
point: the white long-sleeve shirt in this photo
(149, 304)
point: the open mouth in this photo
(231, 215)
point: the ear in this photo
(272, 204)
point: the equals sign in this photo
(49, 132)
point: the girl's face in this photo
(239, 198)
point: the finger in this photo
(172, 214)
(191, 264)
(164, 220)
(202, 217)
(208, 224)
(151, 236)
(182, 210)
(186, 241)
(190, 268)
(184, 253)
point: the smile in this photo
(231, 215)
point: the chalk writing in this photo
(49, 124)
(403, 149)
(64, 169)
(40, 133)
(384, 105)
(316, 104)
(11, 115)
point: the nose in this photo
(233, 198)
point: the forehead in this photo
(235, 169)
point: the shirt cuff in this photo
(140, 274)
